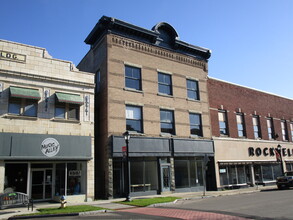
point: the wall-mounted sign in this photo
(74, 173)
(50, 147)
(271, 152)
(4, 55)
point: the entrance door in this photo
(165, 178)
(41, 184)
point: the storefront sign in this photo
(74, 173)
(269, 151)
(50, 147)
(12, 56)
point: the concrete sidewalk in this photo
(108, 204)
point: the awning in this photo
(69, 98)
(18, 92)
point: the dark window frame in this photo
(257, 127)
(241, 126)
(285, 136)
(69, 111)
(165, 87)
(130, 78)
(23, 104)
(197, 126)
(271, 130)
(224, 130)
(132, 121)
(192, 92)
(167, 125)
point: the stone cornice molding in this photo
(157, 51)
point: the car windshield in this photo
(289, 173)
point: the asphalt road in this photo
(270, 204)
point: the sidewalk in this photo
(108, 204)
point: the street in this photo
(267, 204)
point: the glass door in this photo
(41, 187)
(165, 178)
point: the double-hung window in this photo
(67, 106)
(23, 101)
(192, 89)
(284, 130)
(240, 125)
(134, 118)
(195, 124)
(270, 125)
(291, 128)
(223, 123)
(167, 121)
(256, 127)
(165, 83)
(133, 77)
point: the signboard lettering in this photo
(50, 147)
(12, 56)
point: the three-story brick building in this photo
(153, 85)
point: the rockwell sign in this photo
(269, 151)
(12, 56)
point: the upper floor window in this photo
(195, 124)
(67, 106)
(165, 83)
(167, 121)
(192, 89)
(291, 128)
(23, 101)
(284, 131)
(223, 123)
(133, 77)
(240, 125)
(134, 118)
(256, 127)
(271, 131)
(98, 80)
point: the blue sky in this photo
(251, 40)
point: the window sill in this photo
(167, 135)
(196, 137)
(193, 100)
(133, 90)
(23, 117)
(165, 95)
(65, 120)
(134, 133)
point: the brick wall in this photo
(231, 97)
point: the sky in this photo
(251, 40)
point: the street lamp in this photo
(279, 147)
(126, 136)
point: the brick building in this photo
(153, 85)
(247, 127)
(46, 125)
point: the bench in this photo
(137, 186)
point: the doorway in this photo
(41, 184)
(165, 178)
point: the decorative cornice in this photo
(157, 51)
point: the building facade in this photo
(249, 127)
(46, 125)
(152, 84)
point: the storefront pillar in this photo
(252, 174)
(2, 175)
(172, 173)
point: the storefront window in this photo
(241, 174)
(60, 179)
(15, 178)
(143, 175)
(188, 173)
(232, 174)
(224, 175)
(267, 173)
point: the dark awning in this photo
(69, 98)
(18, 92)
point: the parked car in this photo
(285, 181)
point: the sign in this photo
(50, 147)
(12, 56)
(74, 173)
(269, 151)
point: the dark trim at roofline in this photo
(111, 25)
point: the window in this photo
(256, 127)
(26, 107)
(167, 121)
(271, 131)
(67, 111)
(284, 130)
(132, 77)
(195, 124)
(165, 83)
(291, 128)
(133, 118)
(98, 81)
(240, 125)
(223, 123)
(192, 89)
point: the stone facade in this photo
(31, 67)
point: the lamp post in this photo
(126, 136)
(279, 147)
